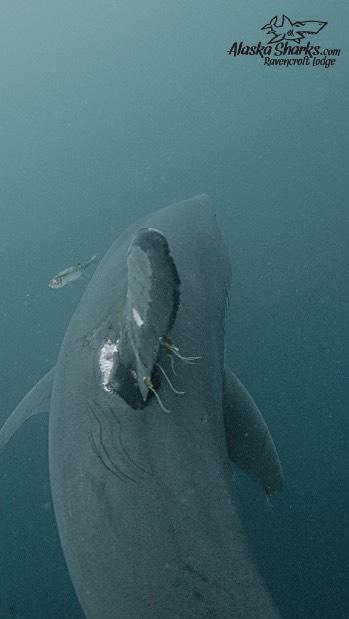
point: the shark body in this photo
(140, 466)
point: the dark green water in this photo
(110, 110)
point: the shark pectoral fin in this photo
(277, 38)
(36, 401)
(250, 444)
(152, 300)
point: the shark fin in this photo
(250, 444)
(286, 21)
(36, 401)
(277, 38)
(152, 301)
(270, 24)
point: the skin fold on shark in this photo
(144, 422)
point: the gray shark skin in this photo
(141, 475)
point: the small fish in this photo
(70, 274)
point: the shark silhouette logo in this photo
(292, 31)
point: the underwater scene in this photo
(174, 243)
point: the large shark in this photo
(144, 421)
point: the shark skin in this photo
(141, 475)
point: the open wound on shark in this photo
(144, 501)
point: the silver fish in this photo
(70, 274)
